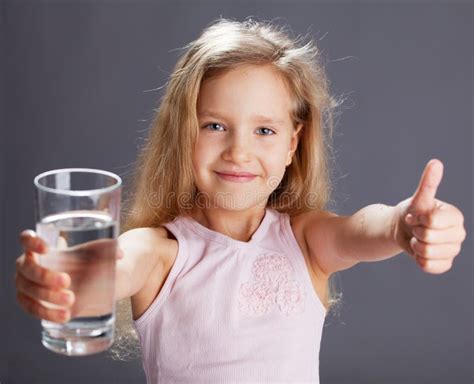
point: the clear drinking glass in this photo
(77, 214)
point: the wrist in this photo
(394, 232)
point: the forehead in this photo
(259, 91)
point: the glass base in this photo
(80, 336)
(79, 347)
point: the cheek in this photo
(201, 154)
(277, 155)
(275, 164)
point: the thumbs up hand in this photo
(428, 229)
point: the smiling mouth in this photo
(238, 178)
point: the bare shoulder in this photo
(145, 248)
(319, 278)
(319, 231)
(142, 238)
(314, 220)
(146, 237)
(306, 217)
(149, 255)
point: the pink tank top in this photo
(233, 311)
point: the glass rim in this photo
(73, 192)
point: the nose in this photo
(238, 148)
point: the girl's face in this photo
(244, 127)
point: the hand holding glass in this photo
(77, 215)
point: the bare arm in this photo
(367, 235)
(337, 242)
(142, 251)
(429, 230)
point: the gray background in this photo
(74, 82)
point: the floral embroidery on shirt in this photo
(256, 298)
(272, 285)
(290, 298)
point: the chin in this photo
(231, 200)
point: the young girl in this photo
(228, 250)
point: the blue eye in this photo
(268, 131)
(212, 125)
(218, 127)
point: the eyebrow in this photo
(259, 118)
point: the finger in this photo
(424, 197)
(36, 309)
(435, 267)
(27, 266)
(439, 236)
(61, 297)
(444, 216)
(434, 251)
(32, 242)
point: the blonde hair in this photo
(159, 195)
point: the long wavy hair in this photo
(164, 167)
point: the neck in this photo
(239, 225)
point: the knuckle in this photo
(41, 274)
(26, 273)
(37, 310)
(49, 314)
(421, 248)
(422, 234)
(20, 261)
(49, 295)
(430, 236)
(66, 297)
(56, 315)
(45, 276)
(425, 235)
(62, 316)
(42, 312)
(27, 289)
(62, 297)
(421, 261)
(457, 249)
(429, 251)
(429, 220)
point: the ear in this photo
(294, 143)
(295, 136)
